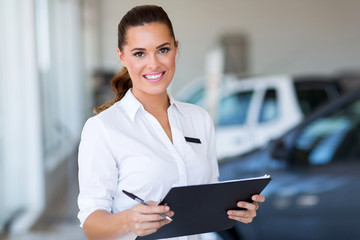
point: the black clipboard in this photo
(202, 208)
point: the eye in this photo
(164, 50)
(139, 54)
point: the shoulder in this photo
(104, 119)
(93, 126)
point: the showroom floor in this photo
(59, 221)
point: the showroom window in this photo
(41, 101)
(60, 72)
(21, 186)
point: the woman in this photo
(136, 142)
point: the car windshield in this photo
(332, 137)
(309, 99)
(313, 93)
(233, 109)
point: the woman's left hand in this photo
(246, 216)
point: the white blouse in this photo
(125, 148)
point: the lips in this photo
(154, 77)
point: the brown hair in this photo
(138, 16)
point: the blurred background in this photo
(255, 65)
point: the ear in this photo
(120, 55)
(176, 46)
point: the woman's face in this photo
(149, 56)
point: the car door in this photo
(276, 113)
(315, 196)
(266, 123)
(231, 131)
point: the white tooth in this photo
(153, 76)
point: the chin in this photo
(158, 89)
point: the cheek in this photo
(170, 63)
(134, 68)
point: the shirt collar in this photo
(132, 105)
(176, 104)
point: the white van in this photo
(252, 111)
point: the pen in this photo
(139, 200)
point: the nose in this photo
(153, 62)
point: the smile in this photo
(154, 76)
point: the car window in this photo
(331, 137)
(269, 108)
(309, 99)
(233, 109)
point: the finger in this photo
(153, 217)
(145, 228)
(149, 217)
(249, 206)
(170, 213)
(234, 214)
(141, 217)
(151, 209)
(242, 214)
(256, 205)
(242, 219)
(142, 232)
(152, 203)
(258, 198)
(147, 231)
(158, 208)
(137, 218)
(154, 224)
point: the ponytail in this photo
(120, 84)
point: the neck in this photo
(153, 103)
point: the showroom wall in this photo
(283, 36)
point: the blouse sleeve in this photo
(98, 174)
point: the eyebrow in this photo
(143, 49)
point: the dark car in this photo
(315, 167)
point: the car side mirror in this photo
(279, 150)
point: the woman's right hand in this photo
(144, 220)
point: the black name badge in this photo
(192, 140)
